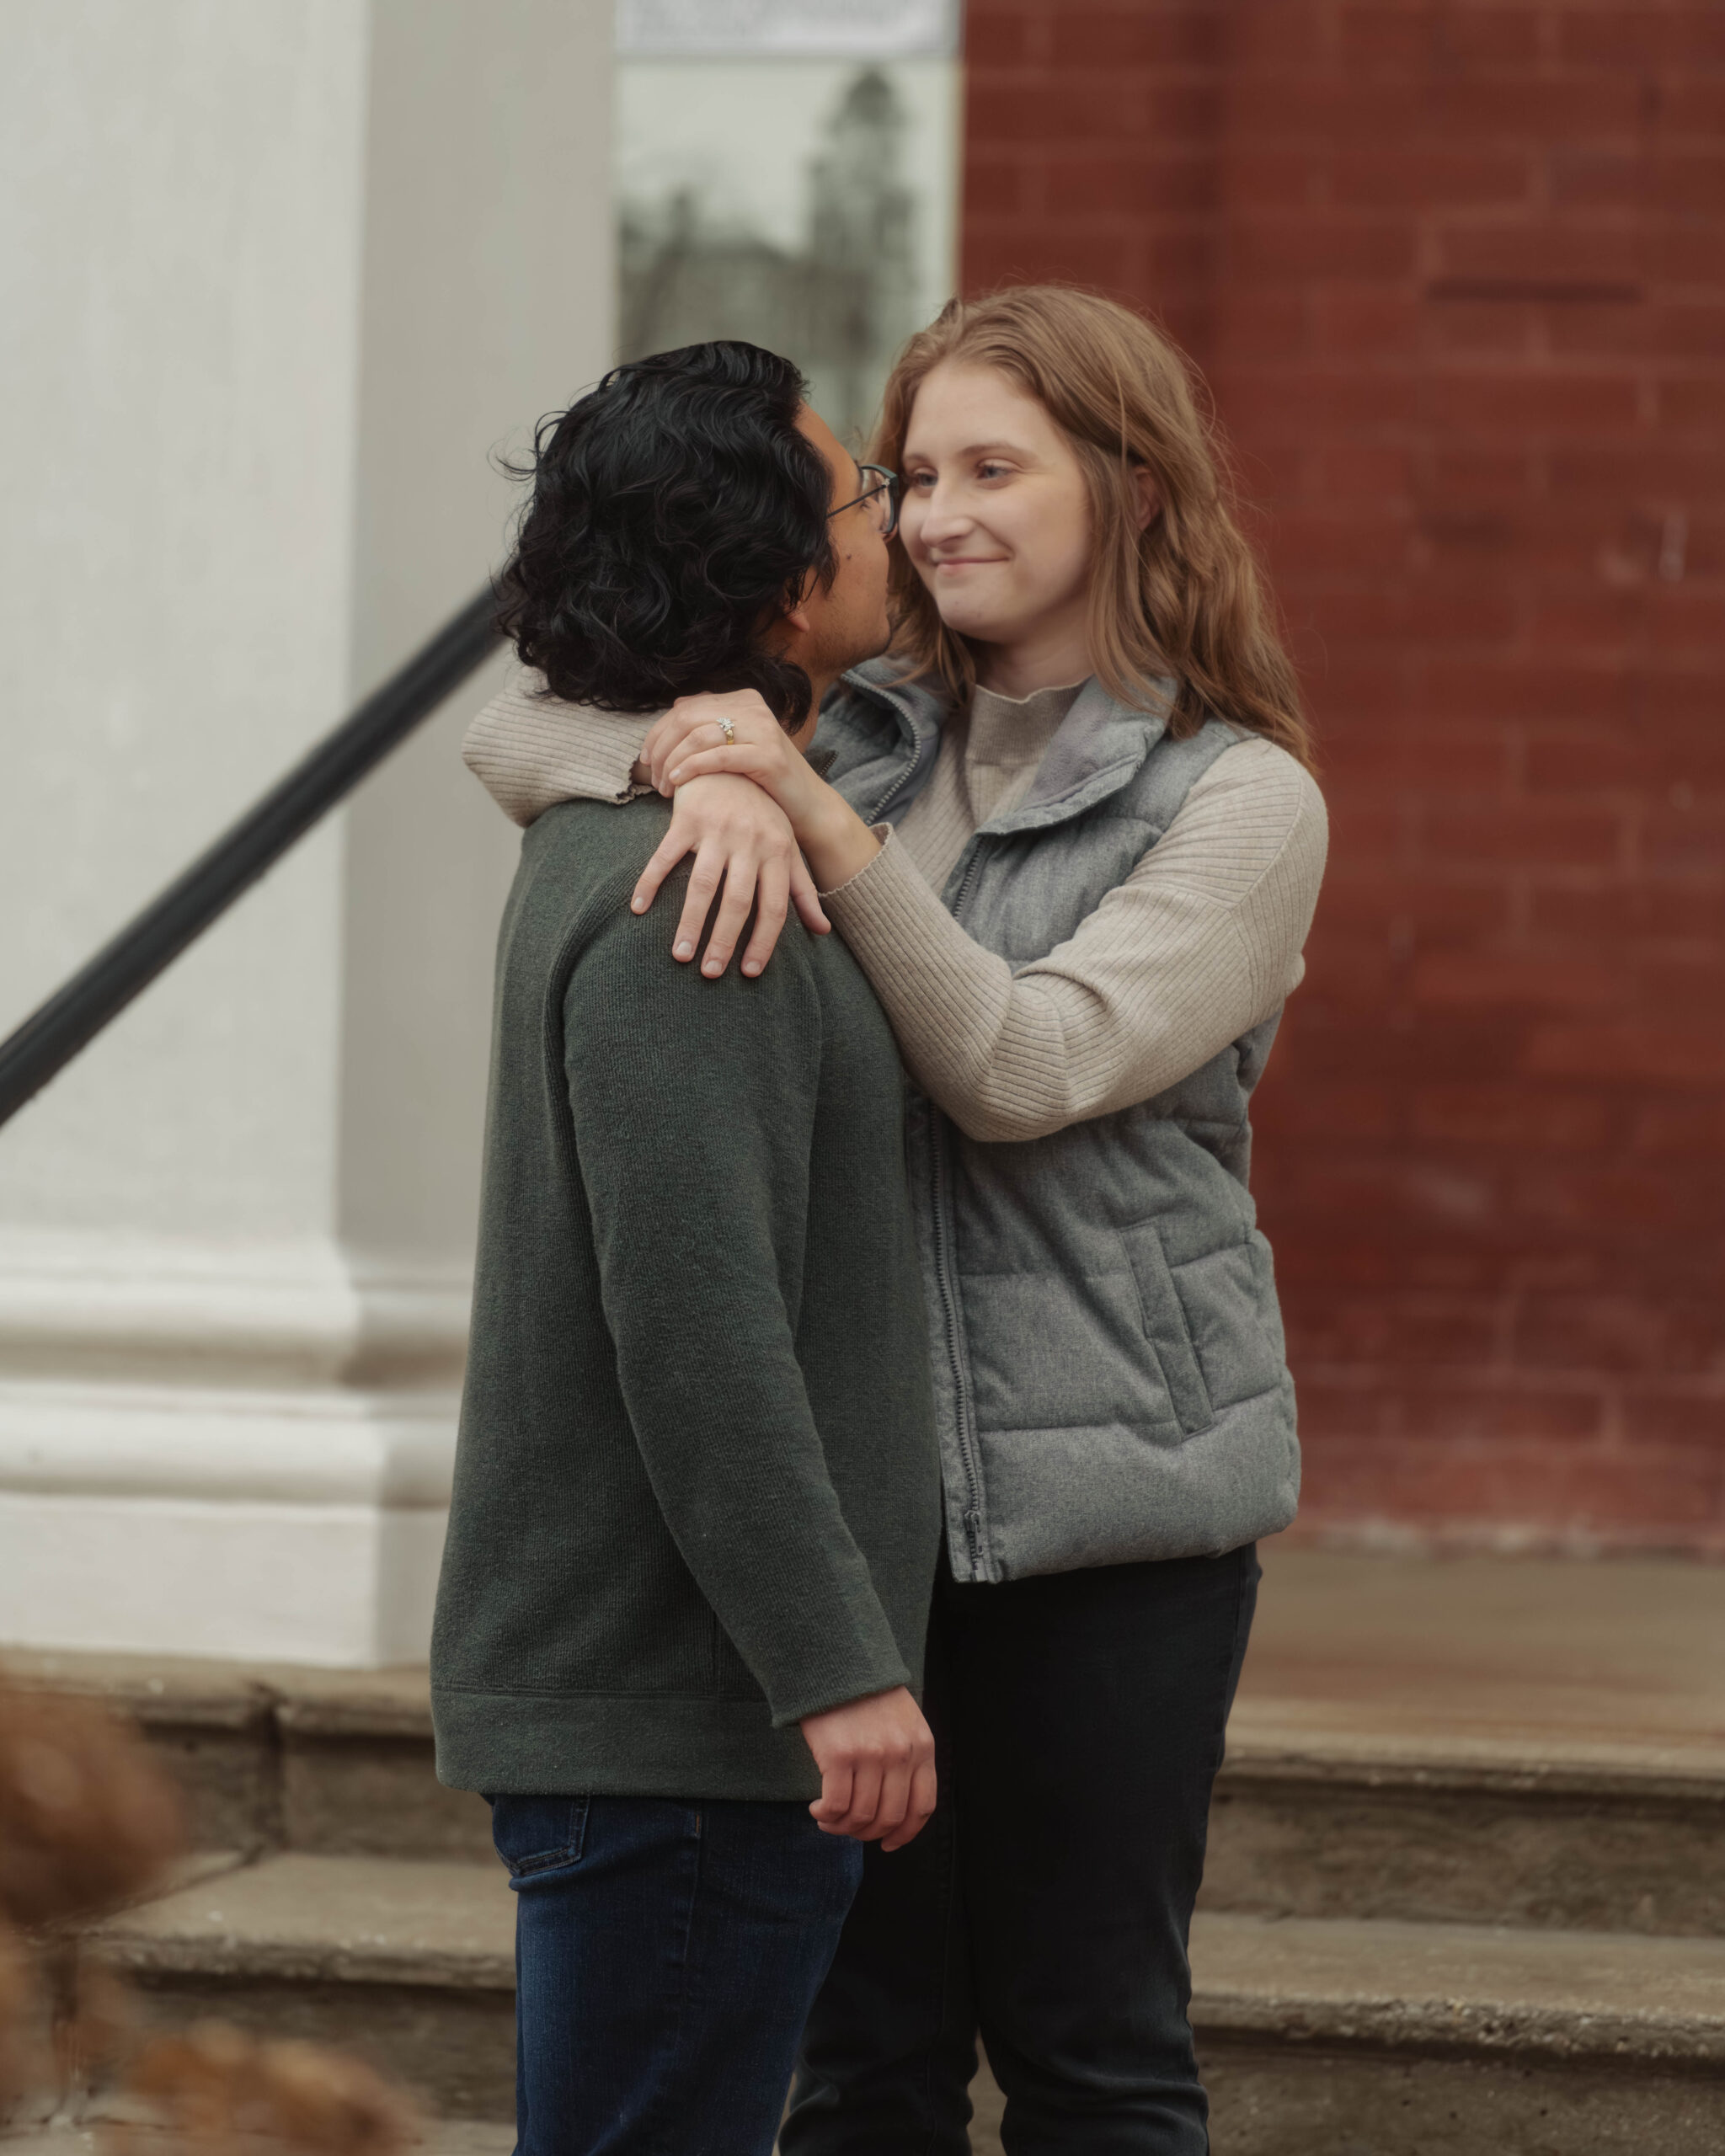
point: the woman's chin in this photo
(976, 624)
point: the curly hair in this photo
(675, 509)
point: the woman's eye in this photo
(922, 479)
(991, 471)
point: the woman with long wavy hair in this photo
(1067, 825)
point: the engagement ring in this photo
(728, 727)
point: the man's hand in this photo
(876, 1758)
(740, 838)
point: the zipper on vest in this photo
(904, 778)
(938, 1159)
(969, 877)
(949, 1314)
(893, 791)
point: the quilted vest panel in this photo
(1109, 1365)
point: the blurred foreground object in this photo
(88, 1825)
(214, 2083)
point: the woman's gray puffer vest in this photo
(1109, 1368)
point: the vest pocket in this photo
(1164, 1326)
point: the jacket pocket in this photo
(1165, 1327)
(538, 1833)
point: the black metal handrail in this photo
(72, 1017)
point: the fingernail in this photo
(686, 950)
(711, 967)
(751, 965)
(638, 905)
(676, 772)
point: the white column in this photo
(281, 279)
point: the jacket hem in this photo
(601, 1744)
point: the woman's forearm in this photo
(836, 843)
(530, 751)
(1200, 944)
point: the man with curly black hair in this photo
(680, 1628)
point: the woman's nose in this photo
(944, 516)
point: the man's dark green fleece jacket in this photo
(697, 1494)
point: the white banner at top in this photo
(839, 29)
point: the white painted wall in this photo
(280, 277)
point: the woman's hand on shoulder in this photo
(701, 736)
(742, 840)
(834, 839)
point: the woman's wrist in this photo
(835, 841)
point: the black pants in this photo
(1078, 1721)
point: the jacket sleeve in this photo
(693, 1104)
(1201, 943)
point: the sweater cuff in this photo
(886, 901)
(884, 833)
(870, 1667)
(530, 751)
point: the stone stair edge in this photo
(232, 1696)
(255, 1960)
(1312, 1981)
(1506, 1767)
(1266, 1742)
(289, 1916)
(1418, 1987)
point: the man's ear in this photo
(1150, 496)
(791, 617)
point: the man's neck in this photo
(818, 684)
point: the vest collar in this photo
(1101, 744)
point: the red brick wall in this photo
(1456, 271)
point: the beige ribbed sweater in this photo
(1199, 943)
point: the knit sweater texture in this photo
(696, 1492)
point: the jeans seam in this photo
(663, 2143)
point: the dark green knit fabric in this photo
(696, 1494)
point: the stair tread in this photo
(1519, 1736)
(364, 1920)
(369, 1919)
(1555, 1650)
(395, 1702)
(1415, 1743)
(1474, 1665)
(1460, 1984)
(441, 2138)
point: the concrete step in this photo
(1327, 1806)
(1319, 2035)
(409, 1962)
(1440, 1824)
(272, 1755)
(93, 2136)
(1336, 2037)
(1534, 1740)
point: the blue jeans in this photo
(1078, 1724)
(666, 1955)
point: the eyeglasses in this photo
(882, 499)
